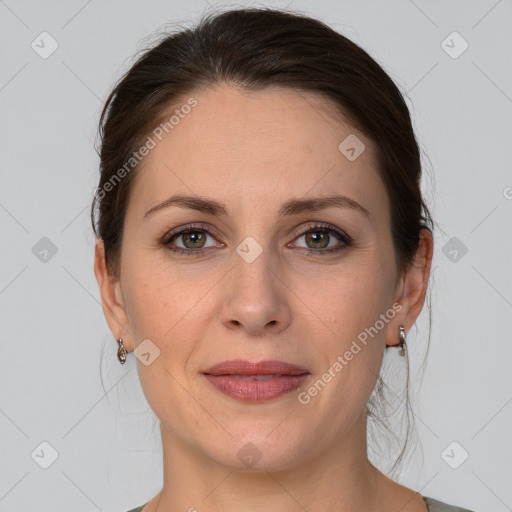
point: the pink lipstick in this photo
(256, 382)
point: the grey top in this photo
(432, 506)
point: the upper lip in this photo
(242, 367)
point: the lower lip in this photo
(256, 390)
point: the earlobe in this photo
(111, 297)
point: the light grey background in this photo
(53, 328)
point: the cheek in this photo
(350, 305)
(352, 352)
(352, 299)
(151, 299)
(166, 308)
(158, 311)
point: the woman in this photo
(262, 239)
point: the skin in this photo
(253, 151)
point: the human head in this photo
(266, 55)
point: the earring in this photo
(121, 352)
(401, 344)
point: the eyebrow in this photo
(291, 207)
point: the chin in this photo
(258, 451)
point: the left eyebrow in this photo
(314, 204)
(291, 207)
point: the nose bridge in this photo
(256, 297)
(255, 267)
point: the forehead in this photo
(260, 145)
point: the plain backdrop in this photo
(97, 438)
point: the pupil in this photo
(194, 237)
(316, 238)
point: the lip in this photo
(256, 382)
(242, 367)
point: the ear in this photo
(412, 288)
(112, 298)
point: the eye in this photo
(319, 237)
(193, 239)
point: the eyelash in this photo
(319, 227)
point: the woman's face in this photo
(258, 281)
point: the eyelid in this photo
(190, 227)
(209, 229)
(328, 227)
(340, 234)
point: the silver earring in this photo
(121, 352)
(401, 344)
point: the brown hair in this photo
(257, 48)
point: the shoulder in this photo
(439, 506)
(432, 504)
(137, 509)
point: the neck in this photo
(340, 478)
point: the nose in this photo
(257, 298)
